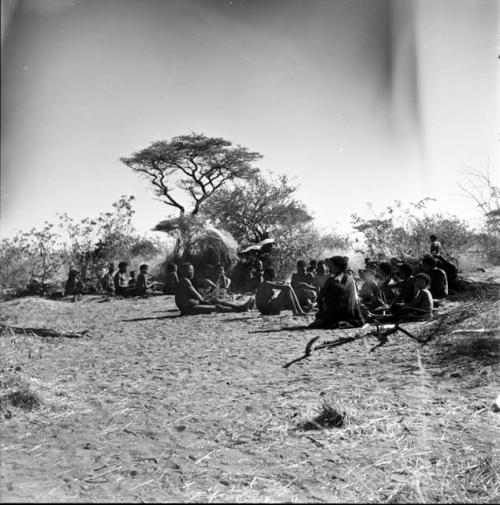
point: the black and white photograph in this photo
(250, 251)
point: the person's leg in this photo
(198, 309)
(236, 307)
(287, 300)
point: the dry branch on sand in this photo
(41, 332)
(425, 332)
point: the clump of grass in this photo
(24, 399)
(328, 417)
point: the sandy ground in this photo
(150, 406)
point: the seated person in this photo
(74, 285)
(204, 282)
(435, 248)
(439, 281)
(271, 305)
(405, 285)
(132, 280)
(143, 285)
(257, 275)
(172, 280)
(121, 280)
(221, 280)
(107, 281)
(386, 291)
(190, 302)
(369, 290)
(321, 276)
(419, 305)
(337, 301)
(302, 284)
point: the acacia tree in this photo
(253, 211)
(198, 166)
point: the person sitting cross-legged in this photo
(190, 302)
(270, 304)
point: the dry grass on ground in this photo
(149, 406)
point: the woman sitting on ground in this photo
(74, 285)
(337, 301)
(190, 302)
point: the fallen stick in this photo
(41, 332)
(479, 330)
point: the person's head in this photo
(405, 271)
(144, 268)
(73, 273)
(301, 266)
(187, 270)
(269, 274)
(338, 264)
(132, 274)
(111, 267)
(321, 268)
(171, 267)
(428, 262)
(422, 281)
(385, 270)
(122, 266)
(433, 238)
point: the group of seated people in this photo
(388, 290)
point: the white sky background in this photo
(359, 100)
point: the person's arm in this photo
(192, 291)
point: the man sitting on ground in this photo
(303, 285)
(107, 281)
(386, 291)
(143, 285)
(121, 280)
(439, 281)
(369, 290)
(191, 302)
(271, 305)
(405, 285)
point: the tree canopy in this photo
(253, 211)
(196, 164)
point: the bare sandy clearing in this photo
(152, 406)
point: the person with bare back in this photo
(190, 302)
(271, 305)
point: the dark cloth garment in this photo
(337, 302)
(368, 292)
(439, 283)
(73, 287)
(171, 283)
(108, 283)
(406, 290)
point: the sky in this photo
(355, 100)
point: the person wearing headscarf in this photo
(338, 300)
